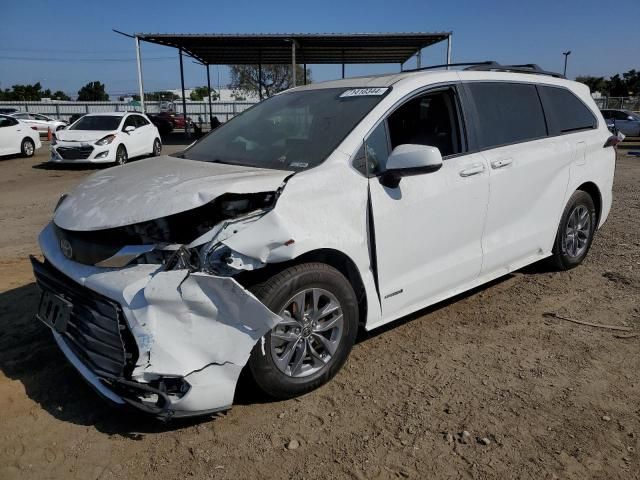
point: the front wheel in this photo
(27, 148)
(121, 155)
(319, 324)
(575, 232)
(157, 147)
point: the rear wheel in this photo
(27, 148)
(575, 232)
(121, 155)
(318, 329)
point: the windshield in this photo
(97, 122)
(291, 131)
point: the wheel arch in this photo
(329, 256)
(593, 191)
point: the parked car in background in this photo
(106, 138)
(8, 110)
(176, 120)
(624, 121)
(17, 137)
(42, 123)
(164, 126)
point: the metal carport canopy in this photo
(334, 48)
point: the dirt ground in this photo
(539, 397)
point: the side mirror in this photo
(129, 129)
(410, 159)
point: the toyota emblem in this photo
(65, 246)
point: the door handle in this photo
(501, 163)
(474, 169)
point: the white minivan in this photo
(326, 208)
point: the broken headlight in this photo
(218, 259)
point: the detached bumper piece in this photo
(94, 331)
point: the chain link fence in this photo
(623, 103)
(198, 111)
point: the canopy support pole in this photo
(304, 73)
(210, 108)
(293, 63)
(419, 59)
(342, 63)
(184, 100)
(260, 75)
(140, 86)
(448, 50)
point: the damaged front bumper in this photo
(171, 343)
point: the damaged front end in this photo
(149, 313)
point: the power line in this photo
(80, 60)
(58, 50)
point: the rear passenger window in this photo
(565, 112)
(507, 113)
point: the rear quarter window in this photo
(506, 113)
(565, 112)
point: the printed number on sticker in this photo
(360, 92)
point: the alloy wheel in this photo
(28, 148)
(121, 156)
(309, 334)
(577, 231)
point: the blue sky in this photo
(67, 40)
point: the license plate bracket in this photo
(54, 311)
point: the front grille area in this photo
(96, 332)
(74, 153)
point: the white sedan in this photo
(42, 123)
(17, 137)
(112, 137)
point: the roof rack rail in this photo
(522, 68)
(444, 65)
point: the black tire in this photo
(157, 148)
(27, 148)
(563, 258)
(121, 155)
(275, 293)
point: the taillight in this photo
(614, 140)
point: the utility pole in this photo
(566, 56)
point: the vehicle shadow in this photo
(70, 166)
(29, 354)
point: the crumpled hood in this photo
(82, 135)
(154, 188)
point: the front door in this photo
(428, 230)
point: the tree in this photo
(275, 78)
(199, 93)
(60, 95)
(23, 92)
(632, 81)
(93, 92)
(595, 84)
(617, 87)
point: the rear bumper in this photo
(192, 330)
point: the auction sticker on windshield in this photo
(364, 92)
